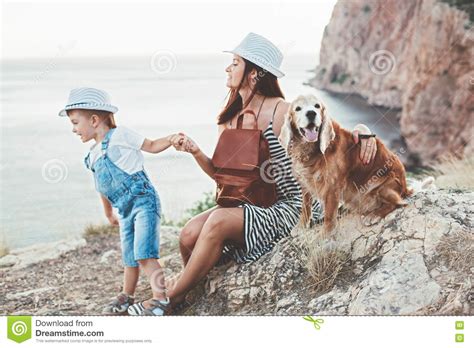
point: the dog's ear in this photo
(286, 132)
(327, 131)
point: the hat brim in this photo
(109, 108)
(278, 73)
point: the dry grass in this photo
(455, 302)
(95, 230)
(324, 259)
(456, 250)
(452, 172)
(4, 250)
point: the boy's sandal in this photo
(136, 309)
(157, 308)
(139, 308)
(119, 305)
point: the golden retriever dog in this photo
(326, 163)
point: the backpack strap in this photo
(240, 119)
(274, 110)
(250, 112)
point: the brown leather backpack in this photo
(240, 158)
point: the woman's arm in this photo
(186, 144)
(205, 163)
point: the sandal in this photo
(158, 308)
(119, 305)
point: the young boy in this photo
(116, 162)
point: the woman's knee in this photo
(189, 234)
(215, 225)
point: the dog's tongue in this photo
(311, 134)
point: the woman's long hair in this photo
(267, 85)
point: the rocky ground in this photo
(418, 261)
(76, 282)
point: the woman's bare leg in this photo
(222, 225)
(187, 239)
(190, 233)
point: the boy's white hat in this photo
(90, 99)
(261, 52)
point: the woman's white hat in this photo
(90, 99)
(261, 52)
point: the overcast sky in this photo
(103, 28)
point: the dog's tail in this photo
(420, 185)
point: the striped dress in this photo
(264, 227)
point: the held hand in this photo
(113, 219)
(176, 139)
(368, 147)
(191, 146)
(184, 143)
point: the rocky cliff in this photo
(416, 261)
(416, 55)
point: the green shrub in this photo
(339, 79)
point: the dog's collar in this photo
(366, 136)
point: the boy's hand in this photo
(113, 219)
(171, 138)
(175, 139)
(182, 142)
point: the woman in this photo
(247, 232)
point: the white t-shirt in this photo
(124, 150)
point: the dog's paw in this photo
(370, 220)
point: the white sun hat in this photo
(262, 52)
(89, 99)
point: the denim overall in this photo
(137, 202)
